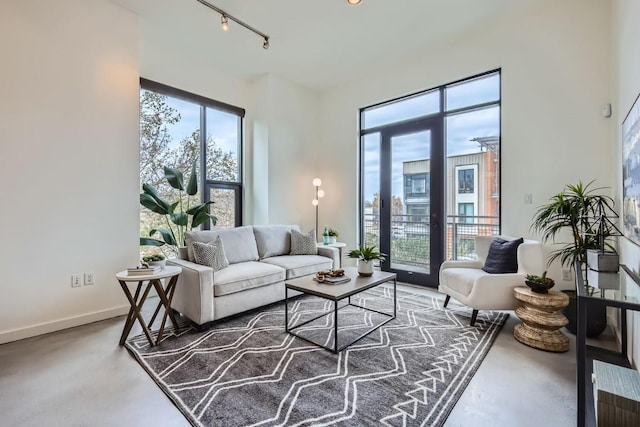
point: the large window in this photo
(430, 173)
(172, 123)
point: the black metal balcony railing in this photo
(410, 240)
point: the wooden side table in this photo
(137, 300)
(541, 319)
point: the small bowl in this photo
(539, 288)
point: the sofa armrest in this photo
(330, 252)
(461, 264)
(531, 258)
(495, 292)
(194, 291)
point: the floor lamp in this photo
(317, 182)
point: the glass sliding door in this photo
(430, 175)
(401, 210)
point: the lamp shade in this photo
(320, 193)
(317, 182)
(314, 202)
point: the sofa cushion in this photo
(300, 265)
(211, 254)
(461, 279)
(239, 243)
(503, 256)
(273, 240)
(245, 275)
(303, 244)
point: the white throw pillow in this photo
(211, 254)
(303, 244)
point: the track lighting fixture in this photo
(224, 22)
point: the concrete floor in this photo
(82, 377)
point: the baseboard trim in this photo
(58, 325)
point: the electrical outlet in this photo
(75, 281)
(566, 274)
(89, 279)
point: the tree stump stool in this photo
(541, 320)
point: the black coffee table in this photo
(338, 293)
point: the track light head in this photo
(224, 22)
(265, 45)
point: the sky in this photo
(459, 128)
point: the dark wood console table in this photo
(616, 294)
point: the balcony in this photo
(410, 237)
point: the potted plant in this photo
(179, 215)
(578, 209)
(539, 284)
(155, 259)
(333, 235)
(366, 255)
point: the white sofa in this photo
(259, 263)
(465, 280)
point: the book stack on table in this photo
(143, 271)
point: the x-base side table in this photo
(137, 300)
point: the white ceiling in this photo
(316, 43)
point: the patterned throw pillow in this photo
(210, 254)
(303, 244)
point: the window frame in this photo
(206, 185)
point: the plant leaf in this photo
(151, 191)
(147, 241)
(174, 178)
(150, 203)
(202, 217)
(179, 218)
(166, 234)
(192, 185)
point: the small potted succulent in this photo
(155, 260)
(333, 235)
(366, 255)
(539, 284)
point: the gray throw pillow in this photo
(303, 244)
(210, 254)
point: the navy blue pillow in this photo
(503, 256)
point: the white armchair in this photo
(465, 280)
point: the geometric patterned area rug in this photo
(247, 371)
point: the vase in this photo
(183, 253)
(596, 317)
(365, 268)
(332, 239)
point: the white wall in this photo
(286, 127)
(626, 33)
(556, 75)
(69, 155)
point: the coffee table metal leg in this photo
(286, 309)
(335, 326)
(395, 300)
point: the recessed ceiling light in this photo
(354, 2)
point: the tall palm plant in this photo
(584, 213)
